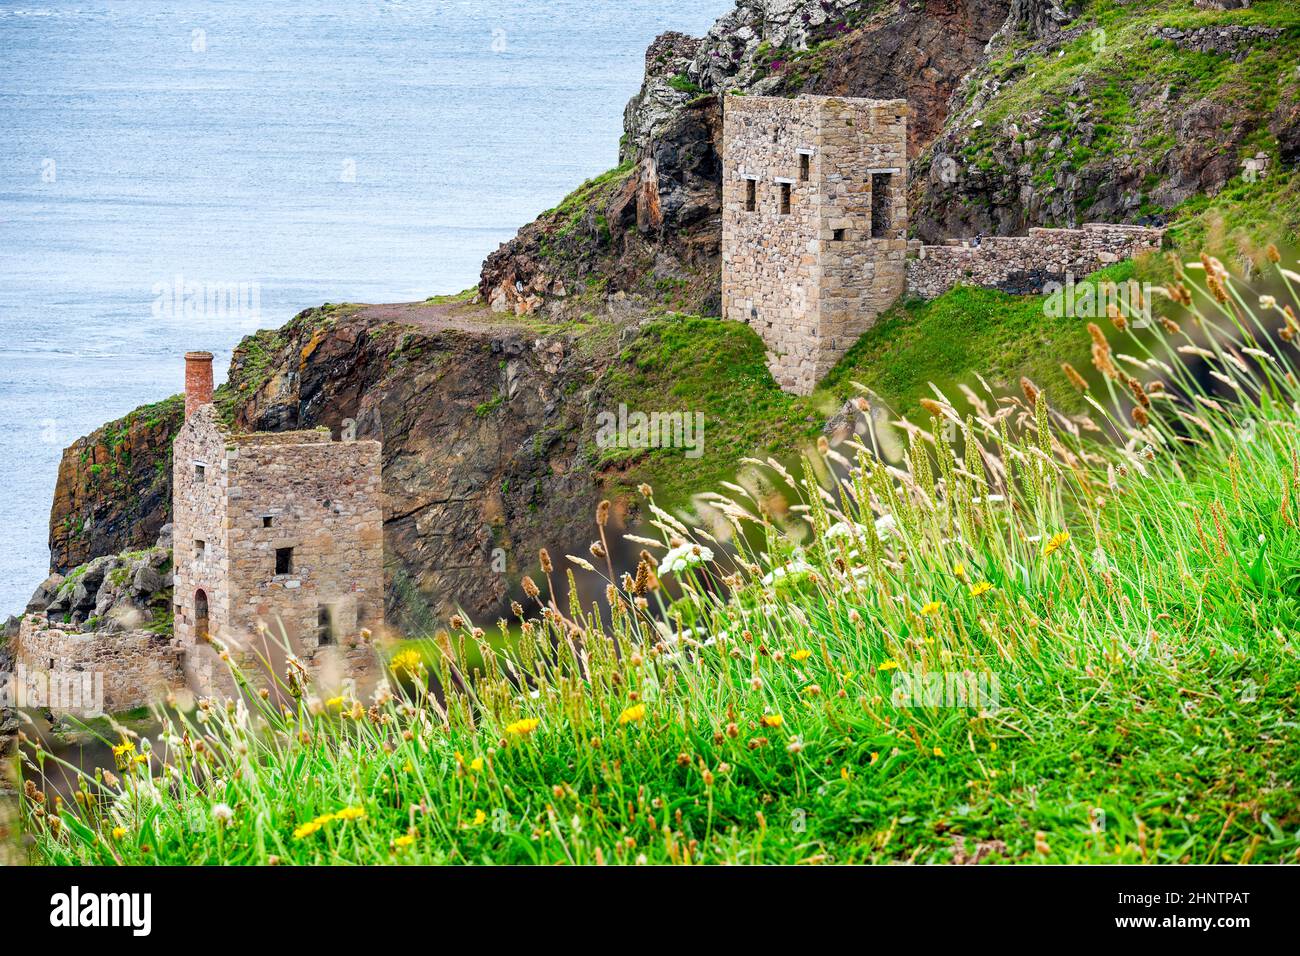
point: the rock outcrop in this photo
(111, 593)
(128, 457)
(1126, 135)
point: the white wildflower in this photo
(683, 557)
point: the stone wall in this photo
(863, 229)
(1024, 264)
(322, 499)
(199, 514)
(812, 277)
(134, 668)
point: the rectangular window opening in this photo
(880, 187)
(751, 195)
(838, 235)
(324, 626)
(267, 521)
(199, 472)
(805, 166)
(200, 547)
(785, 199)
(284, 560)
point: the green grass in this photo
(691, 364)
(1136, 597)
(967, 330)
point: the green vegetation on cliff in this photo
(1137, 111)
(689, 364)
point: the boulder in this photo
(44, 594)
(146, 581)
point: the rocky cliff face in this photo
(1077, 122)
(113, 489)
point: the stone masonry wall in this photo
(199, 514)
(258, 493)
(137, 668)
(862, 274)
(811, 280)
(1024, 264)
(771, 269)
(322, 499)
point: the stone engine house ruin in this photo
(277, 540)
(814, 231)
(814, 224)
(281, 531)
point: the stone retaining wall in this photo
(133, 668)
(1024, 264)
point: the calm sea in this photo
(271, 156)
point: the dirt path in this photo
(443, 316)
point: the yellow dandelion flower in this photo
(307, 829)
(844, 773)
(123, 749)
(802, 654)
(771, 720)
(402, 842)
(938, 751)
(931, 609)
(523, 726)
(476, 765)
(407, 662)
(334, 703)
(874, 756)
(959, 569)
(888, 665)
(408, 767)
(480, 818)
(1055, 542)
(635, 713)
(351, 813)
(981, 587)
(119, 832)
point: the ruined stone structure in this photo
(814, 224)
(276, 542)
(1024, 264)
(273, 532)
(88, 673)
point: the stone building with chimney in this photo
(277, 537)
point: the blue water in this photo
(346, 151)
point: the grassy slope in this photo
(690, 364)
(1148, 668)
(694, 364)
(966, 331)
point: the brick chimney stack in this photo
(198, 380)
